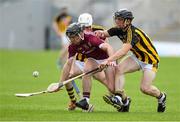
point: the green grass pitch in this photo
(16, 69)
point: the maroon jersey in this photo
(89, 47)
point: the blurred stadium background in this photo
(26, 34)
(27, 24)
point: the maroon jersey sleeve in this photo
(71, 51)
(95, 41)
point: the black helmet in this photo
(73, 29)
(124, 13)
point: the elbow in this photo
(104, 46)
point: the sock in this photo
(122, 95)
(159, 97)
(71, 95)
(86, 95)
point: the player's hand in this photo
(99, 33)
(53, 87)
(103, 65)
(113, 63)
(107, 63)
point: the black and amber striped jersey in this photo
(142, 46)
(82, 57)
(97, 27)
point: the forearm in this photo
(116, 55)
(110, 51)
(102, 34)
(120, 53)
(106, 47)
(66, 70)
(105, 33)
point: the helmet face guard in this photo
(125, 16)
(73, 31)
(71, 34)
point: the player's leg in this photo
(64, 50)
(106, 77)
(120, 99)
(86, 82)
(63, 54)
(75, 70)
(147, 88)
(110, 78)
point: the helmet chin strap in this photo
(126, 25)
(68, 39)
(81, 37)
(125, 22)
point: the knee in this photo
(70, 74)
(88, 65)
(86, 69)
(144, 88)
(119, 69)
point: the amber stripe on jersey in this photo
(145, 49)
(129, 34)
(142, 55)
(81, 57)
(150, 43)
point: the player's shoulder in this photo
(115, 31)
(88, 35)
(72, 47)
(115, 28)
(137, 30)
(97, 27)
(133, 28)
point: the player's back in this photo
(83, 57)
(144, 49)
(89, 47)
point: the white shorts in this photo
(80, 64)
(144, 65)
(64, 40)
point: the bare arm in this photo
(120, 53)
(66, 70)
(125, 47)
(102, 34)
(55, 27)
(106, 34)
(107, 47)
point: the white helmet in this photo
(85, 19)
